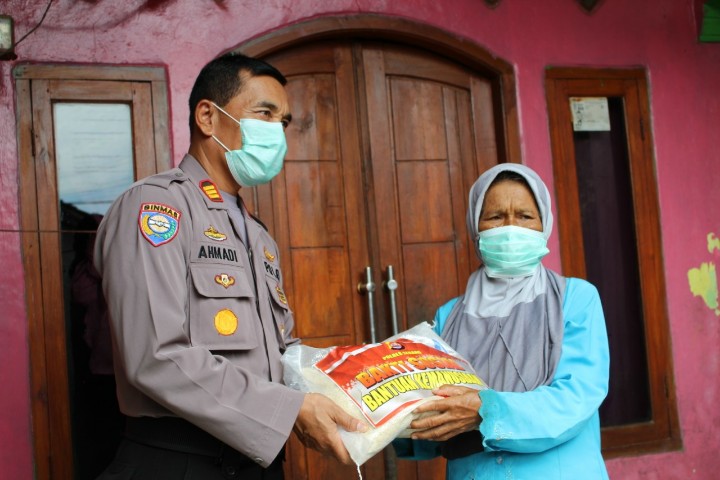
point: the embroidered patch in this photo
(213, 234)
(158, 223)
(226, 322)
(269, 255)
(217, 253)
(210, 190)
(271, 270)
(225, 280)
(281, 294)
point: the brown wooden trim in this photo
(377, 27)
(409, 32)
(572, 250)
(33, 293)
(567, 73)
(662, 433)
(60, 434)
(50, 71)
(142, 124)
(161, 128)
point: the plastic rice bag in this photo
(379, 383)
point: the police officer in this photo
(195, 294)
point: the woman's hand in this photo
(455, 414)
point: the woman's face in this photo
(509, 203)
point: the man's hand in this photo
(455, 414)
(317, 426)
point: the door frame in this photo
(408, 32)
(49, 401)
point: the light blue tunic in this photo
(552, 432)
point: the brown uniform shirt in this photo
(199, 321)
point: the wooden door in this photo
(71, 121)
(383, 148)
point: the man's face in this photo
(261, 98)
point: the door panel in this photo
(315, 217)
(423, 157)
(383, 148)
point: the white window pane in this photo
(94, 153)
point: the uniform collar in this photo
(197, 175)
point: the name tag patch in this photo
(217, 253)
(158, 223)
(272, 270)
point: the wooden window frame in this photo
(52, 444)
(662, 431)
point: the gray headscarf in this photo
(510, 329)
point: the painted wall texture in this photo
(660, 35)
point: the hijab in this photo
(509, 329)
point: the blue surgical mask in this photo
(511, 251)
(261, 156)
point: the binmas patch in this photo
(158, 223)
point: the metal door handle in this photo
(391, 284)
(368, 288)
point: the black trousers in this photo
(173, 449)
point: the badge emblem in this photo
(226, 322)
(269, 255)
(213, 234)
(225, 280)
(281, 294)
(158, 223)
(210, 191)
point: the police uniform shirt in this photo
(199, 321)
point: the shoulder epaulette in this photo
(164, 179)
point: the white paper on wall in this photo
(590, 114)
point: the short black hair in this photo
(220, 80)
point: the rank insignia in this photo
(226, 322)
(281, 294)
(225, 280)
(158, 223)
(210, 191)
(269, 255)
(213, 234)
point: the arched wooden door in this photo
(385, 142)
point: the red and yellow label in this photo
(211, 191)
(385, 378)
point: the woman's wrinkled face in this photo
(510, 202)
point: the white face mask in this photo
(511, 251)
(261, 156)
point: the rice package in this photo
(379, 383)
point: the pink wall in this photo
(658, 34)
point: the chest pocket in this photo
(222, 308)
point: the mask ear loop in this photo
(231, 117)
(218, 141)
(226, 113)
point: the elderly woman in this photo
(537, 338)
